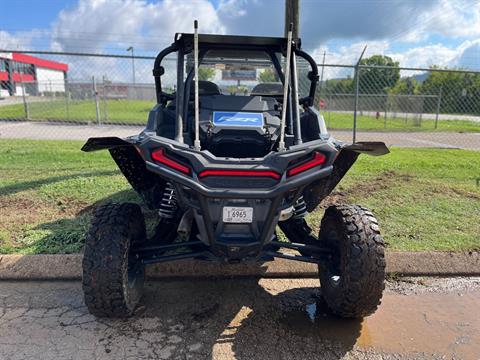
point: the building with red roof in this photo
(37, 76)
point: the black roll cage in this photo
(183, 44)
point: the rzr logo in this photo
(235, 119)
(239, 119)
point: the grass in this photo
(136, 112)
(425, 199)
(339, 121)
(111, 111)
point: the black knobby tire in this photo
(112, 281)
(353, 284)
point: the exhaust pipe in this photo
(185, 225)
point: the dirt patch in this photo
(362, 189)
(465, 193)
(20, 213)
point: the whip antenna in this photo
(281, 143)
(196, 143)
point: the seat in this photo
(268, 89)
(205, 88)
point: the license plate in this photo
(237, 214)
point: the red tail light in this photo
(259, 173)
(160, 157)
(317, 160)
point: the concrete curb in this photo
(69, 267)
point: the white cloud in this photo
(170, 16)
(469, 55)
(103, 25)
(400, 20)
(22, 40)
(459, 18)
(347, 55)
(464, 56)
(95, 24)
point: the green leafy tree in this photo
(232, 89)
(267, 76)
(460, 92)
(339, 86)
(205, 73)
(378, 81)
(406, 86)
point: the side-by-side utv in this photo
(233, 153)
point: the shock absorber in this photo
(168, 204)
(300, 208)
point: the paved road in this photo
(36, 130)
(242, 319)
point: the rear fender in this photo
(320, 189)
(102, 143)
(148, 185)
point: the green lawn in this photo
(338, 121)
(111, 111)
(425, 199)
(136, 112)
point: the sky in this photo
(416, 33)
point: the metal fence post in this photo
(104, 97)
(386, 110)
(329, 102)
(25, 103)
(357, 83)
(387, 106)
(97, 105)
(355, 109)
(439, 104)
(67, 99)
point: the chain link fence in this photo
(425, 199)
(112, 94)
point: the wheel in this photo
(353, 283)
(113, 281)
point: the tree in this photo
(267, 76)
(205, 73)
(378, 81)
(406, 86)
(459, 91)
(339, 86)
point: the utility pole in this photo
(292, 16)
(133, 64)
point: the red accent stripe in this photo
(160, 156)
(46, 64)
(22, 77)
(3, 76)
(318, 159)
(253, 173)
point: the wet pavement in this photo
(420, 318)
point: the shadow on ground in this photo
(28, 185)
(248, 320)
(67, 234)
(182, 319)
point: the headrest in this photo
(205, 88)
(272, 88)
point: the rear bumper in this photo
(247, 193)
(237, 242)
